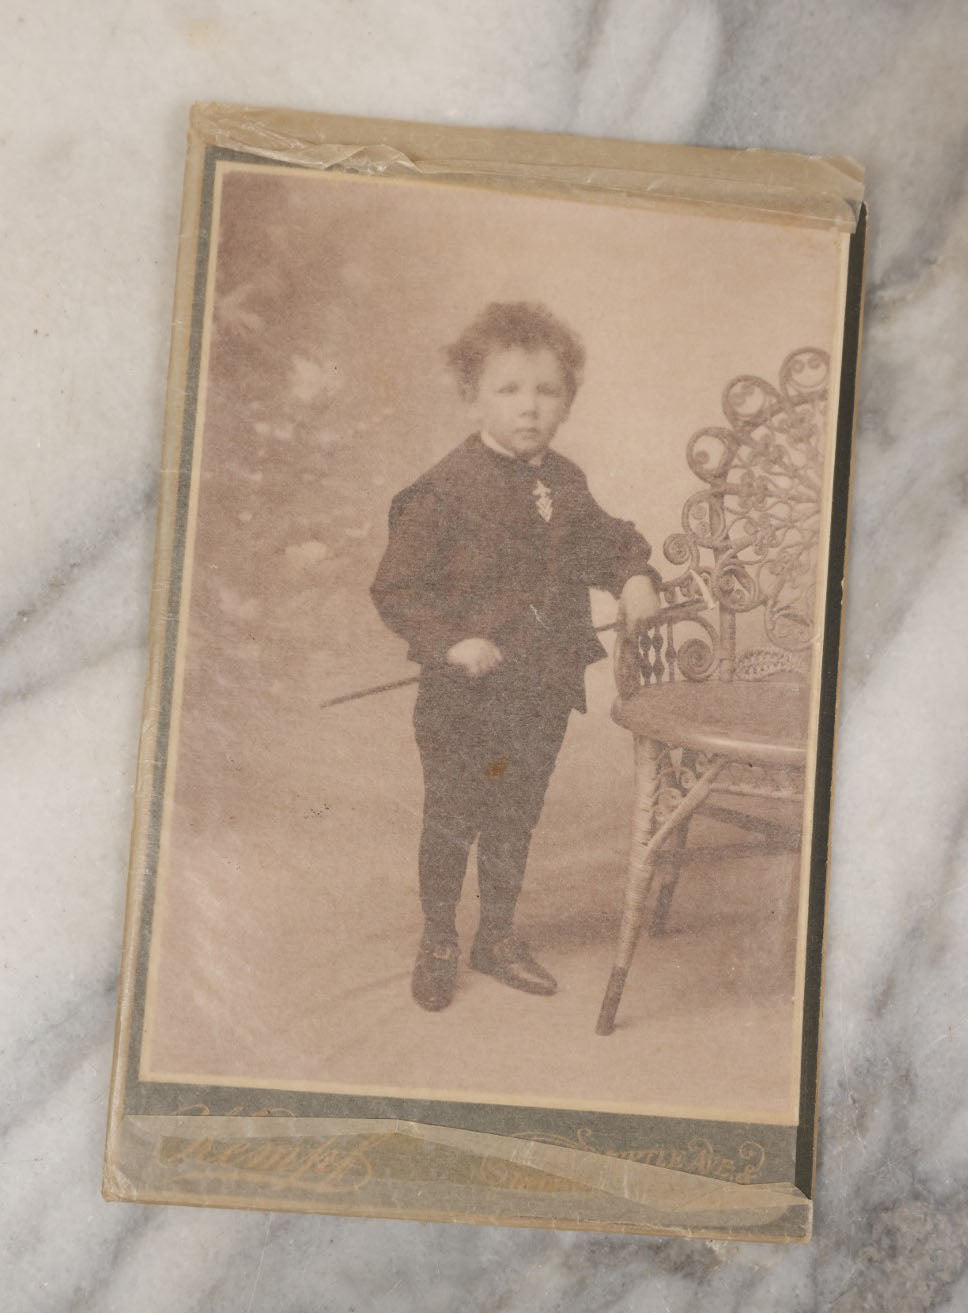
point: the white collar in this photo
(494, 445)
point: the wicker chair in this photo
(716, 690)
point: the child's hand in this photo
(477, 656)
(638, 604)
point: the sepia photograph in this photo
(462, 460)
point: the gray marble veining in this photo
(93, 107)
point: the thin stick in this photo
(369, 692)
(667, 612)
(403, 683)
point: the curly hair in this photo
(504, 325)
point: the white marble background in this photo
(93, 100)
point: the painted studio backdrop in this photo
(287, 914)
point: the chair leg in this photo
(667, 889)
(660, 917)
(646, 842)
(648, 754)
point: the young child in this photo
(490, 558)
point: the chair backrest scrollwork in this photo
(748, 539)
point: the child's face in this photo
(522, 398)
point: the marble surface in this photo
(94, 100)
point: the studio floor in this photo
(286, 945)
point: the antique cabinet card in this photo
(480, 834)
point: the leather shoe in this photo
(435, 973)
(510, 960)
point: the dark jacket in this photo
(469, 556)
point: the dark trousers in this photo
(488, 747)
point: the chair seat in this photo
(758, 722)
